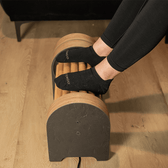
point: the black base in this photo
(78, 130)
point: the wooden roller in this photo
(78, 124)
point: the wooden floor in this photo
(137, 100)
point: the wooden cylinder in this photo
(78, 124)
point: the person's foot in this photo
(96, 79)
(92, 55)
(79, 54)
(87, 80)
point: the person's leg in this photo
(148, 28)
(143, 35)
(122, 19)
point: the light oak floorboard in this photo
(15, 60)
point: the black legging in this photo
(136, 28)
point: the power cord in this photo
(79, 162)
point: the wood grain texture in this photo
(137, 101)
(15, 59)
(32, 141)
(77, 97)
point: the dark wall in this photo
(27, 10)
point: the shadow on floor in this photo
(147, 104)
(54, 29)
(154, 142)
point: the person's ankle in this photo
(101, 48)
(105, 70)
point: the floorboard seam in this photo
(24, 100)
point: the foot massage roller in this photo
(78, 122)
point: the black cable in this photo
(79, 162)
